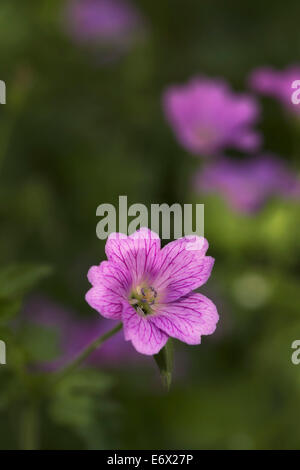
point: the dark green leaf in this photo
(16, 280)
(40, 342)
(8, 309)
(76, 398)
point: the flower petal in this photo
(188, 318)
(111, 285)
(136, 253)
(144, 335)
(183, 268)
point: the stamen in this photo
(140, 311)
(142, 299)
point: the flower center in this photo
(142, 299)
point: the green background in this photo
(75, 134)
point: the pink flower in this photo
(112, 23)
(208, 117)
(149, 289)
(247, 184)
(277, 84)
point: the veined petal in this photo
(144, 335)
(183, 268)
(137, 253)
(188, 318)
(111, 276)
(111, 285)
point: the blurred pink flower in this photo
(277, 84)
(247, 184)
(103, 22)
(207, 117)
(150, 289)
(75, 334)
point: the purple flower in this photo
(247, 184)
(277, 84)
(208, 117)
(102, 21)
(74, 335)
(150, 289)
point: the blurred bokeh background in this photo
(84, 123)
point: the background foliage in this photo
(75, 134)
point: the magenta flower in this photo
(208, 117)
(150, 289)
(277, 84)
(247, 184)
(103, 21)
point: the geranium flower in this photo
(208, 117)
(111, 23)
(150, 289)
(277, 84)
(247, 184)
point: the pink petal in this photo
(188, 318)
(144, 335)
(183, 268)
(111, 286)
(136, 253)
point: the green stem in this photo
(87, 351)
(29, 428)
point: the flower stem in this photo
(87, 351)
(29, 428)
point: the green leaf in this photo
(16, 280)
(76, 398)
(164, 360)
(8, 309)
(40, 342)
